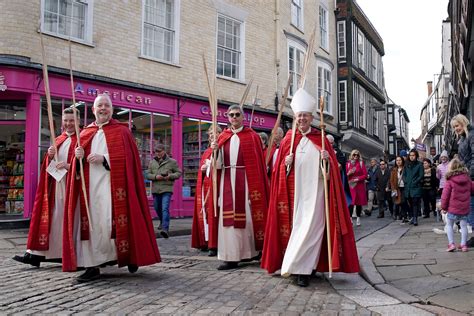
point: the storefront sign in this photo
(420, 147)
(114, 95)
(220, 113)
(3, 86)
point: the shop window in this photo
(195, 142)
(12, 156)
(57, 106)
(12, 110)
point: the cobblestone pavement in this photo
(186, 282)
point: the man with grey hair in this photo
(242, 194)
(116, 227)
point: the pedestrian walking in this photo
(465, 135)
(163, 171)
(204, 228)
(119, 229)
(456, 201)
(430, 186)
(413, 179)
(397, 188)
(295, 236)
(382, 188)
(243, 192)
(371, 186)
(441, 171)
(356, 176)
(46, 226)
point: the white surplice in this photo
(235, 244)
(304, 246)
(100, 248)
(57, 213)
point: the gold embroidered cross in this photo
(255, 196)
(43, 239)
(121, 194)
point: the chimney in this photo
(430, 87)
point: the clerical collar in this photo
(238, 130)
(69, 134)
(102, 124)
(305, 133)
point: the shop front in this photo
(178, 122)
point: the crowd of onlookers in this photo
(410, 187)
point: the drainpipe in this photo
(277, 49)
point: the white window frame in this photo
(362, 107)
(240, 52)
(297, 14)
(324, 80)
(360, 50)
(88, 22)
(295, 75)
(323, 28)
(374, 65)
(341, 40)
(342, 91)
(174, 60)
(375, 128)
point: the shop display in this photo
(195, 142)
(12, 183)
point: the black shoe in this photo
(470, 242)
(380, 216)
(302, 280)
(29, 258)
(89, 275)
(228, 265)
(212, 253)
(367, 212)
(132, 268)
(164, 234)
(426, 216)
(159, 227)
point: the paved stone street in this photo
(404, 269)
(186, 282)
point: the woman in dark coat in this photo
(430, 186)
(413, 179)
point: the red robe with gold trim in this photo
(132, 227)
(280, 213)
(257, 181)
(40, 223)
(204, 184)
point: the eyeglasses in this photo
(234, 114)
(355, 155)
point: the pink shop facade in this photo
(178, 121)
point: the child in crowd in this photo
(455, 200)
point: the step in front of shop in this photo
(13, 222)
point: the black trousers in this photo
(429, 201)
(358, 210)
(387, 199)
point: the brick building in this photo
(148, 56)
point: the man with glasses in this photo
(242, 194)
(162, 171)
(382, 179)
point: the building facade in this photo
(149, 60)
(362, 109)
(461, 97)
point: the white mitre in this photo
(303, 102)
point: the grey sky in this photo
(411, 32)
